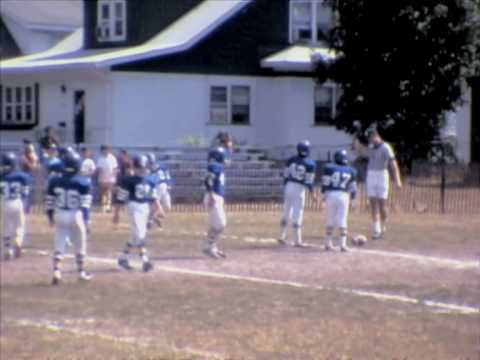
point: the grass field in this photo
(414, 295)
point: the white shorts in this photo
(337, 206)
(294, 203)
(13, 220)
(378, 184)
(217, 219)
(69, 225)
(138, 214)
(164, 196)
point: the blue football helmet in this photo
(71, 164)
(341, 157)
(9, 162)
(140, 162)
(63, 151)
(217, 154)
(303, 148)
(151, 159)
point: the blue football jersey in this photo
(339, 178)
(15, 185)
(54, 167)
(141, 189)
(162, 174)
(215, 179)
(300, 170)
(68, 193)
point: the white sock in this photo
(297, 234)
(376, 225)
(343, 241)
(328, 240)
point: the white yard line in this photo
(446, 307)
(54, 326)
(421, 259)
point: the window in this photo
(111, 20)
(230, 105)
(326, 98)
(310, 20)
(18, 106)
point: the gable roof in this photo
(182, 35)
(49, 15)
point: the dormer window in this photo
(111, 20)
(310, 21)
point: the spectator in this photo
(107, 168)
(48, 139)
(29, 164)
(88, 166)
(125, 165)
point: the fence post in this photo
(443, 180)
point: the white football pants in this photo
(138, 214)
(217, 219)
(69, 225)
(164, 196)
(294, 203)
(13, 221)
(337, 206)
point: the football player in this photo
(14, 189)
(299, 175)
(160, 174)
(68, 202)
(214, 201)
(138, 192)
(338, 188)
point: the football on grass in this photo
(359, 240)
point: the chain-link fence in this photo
(254, 183)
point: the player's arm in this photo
(209, 183)
(120, 199)
(86, 201)
(50, 202)
(395, 171)
(157, 208)
(310, 179)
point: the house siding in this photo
(235, 48)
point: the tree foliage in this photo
(402, 64)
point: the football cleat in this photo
(123, 263)
(221, 254)
(212, 252)
(17, 252)
(57, 277)
(84, 276)
(328, 247)
(281, 242)
(376, 236)
(344, 248)
(300, 245)
(147, 266)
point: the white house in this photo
(155, 74)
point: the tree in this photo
(402, 65)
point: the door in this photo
(79, 116)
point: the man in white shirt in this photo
(381, 160)
(88, 166)
(107, 168)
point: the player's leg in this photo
(342, 219)
(297, 218)
(12, 224)
(78, 236)
(61, 235)
(7, 233)
(286, 215)
(123, 260)
(217, 222)
(382, 204)
(140, 218)
(19, 232)
(108, 196)
(329, 215)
